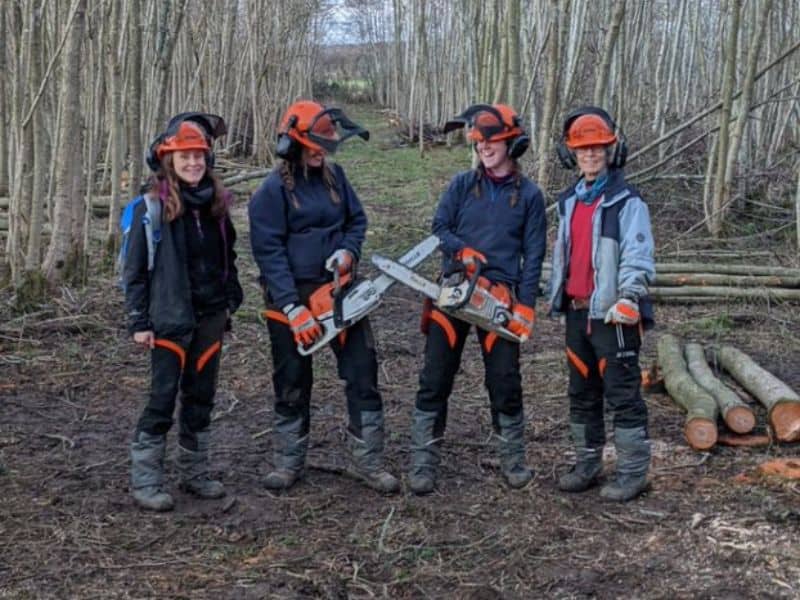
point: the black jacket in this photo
(162, 301)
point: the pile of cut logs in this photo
(691, 383)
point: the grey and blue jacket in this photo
(622, 250)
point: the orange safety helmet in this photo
(310, 124)
(589, 130)
(189, 136)
(492, 123)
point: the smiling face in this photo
(189, 165)
(591, 161)
(494, 157)
(312, 158)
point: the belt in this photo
(579, 303)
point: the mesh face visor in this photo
(331, 127)
(484, 121)
(213, 125)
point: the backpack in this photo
(151, 220)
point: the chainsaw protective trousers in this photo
(193, 365)
(443, 349)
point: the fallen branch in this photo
(781, 402)
(236, 179)
(726, 292)
(737, 415)
(722, 279)
(701, 409)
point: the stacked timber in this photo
(701, 408)
(694, 387)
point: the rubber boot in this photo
(289, 456)
(588, 463)
(366, 453)
(425, 452)
(510, 440)
(193, 468)
(147, 472)
(633, 461)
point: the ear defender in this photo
(566, 156)
(287, 147)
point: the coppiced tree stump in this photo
(736, 414)
(701, 408)
(782, 403)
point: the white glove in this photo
(624, 312)
(343, 259)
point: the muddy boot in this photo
(425, 452)
(588, 463)
(147, 472)
(633, 460)
(193, 467)
(289, 455)
(510, 442)
(366, 454)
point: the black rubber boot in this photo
(588, 463)
(193, 468)
(289, 456)
(425, 452)
(147, 472)
(366, 454)
(633, 461)
(510, 441)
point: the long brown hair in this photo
(164, 184)
(286, 171)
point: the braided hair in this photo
(286, 172)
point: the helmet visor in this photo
(331, 127)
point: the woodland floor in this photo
(72, 385)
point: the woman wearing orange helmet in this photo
(492, 215)
(307, 225)
(181, 286)
(602, 266)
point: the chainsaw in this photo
(471, 298)
(341, 303)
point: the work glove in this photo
(522, 320)
(470, 258)
(342, 259)
(624, 312)
(303, 324)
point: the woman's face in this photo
(494, 157)
(312, 158)
(189, 165)
(591, 161)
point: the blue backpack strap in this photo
(125, 225)
(152, 227)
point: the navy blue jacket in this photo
(513, 239)
(290, 243)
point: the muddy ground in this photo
(72, 385)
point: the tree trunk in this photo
(4, 133)
(720, 194)
(782, 403)
(550, 91)
(737, 414)
(134, 99)
(114, 52)
(608, 52)
(701, 409)
(721, 279)
(59, 256)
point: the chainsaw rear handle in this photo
(473, 281)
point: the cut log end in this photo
(740, 419)
(701, 433)
(785, 420)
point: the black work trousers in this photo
(293, 374)
(191, 365)
(443, 349)
(603, 364)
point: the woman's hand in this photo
(145, 338)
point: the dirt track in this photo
(71, 387)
